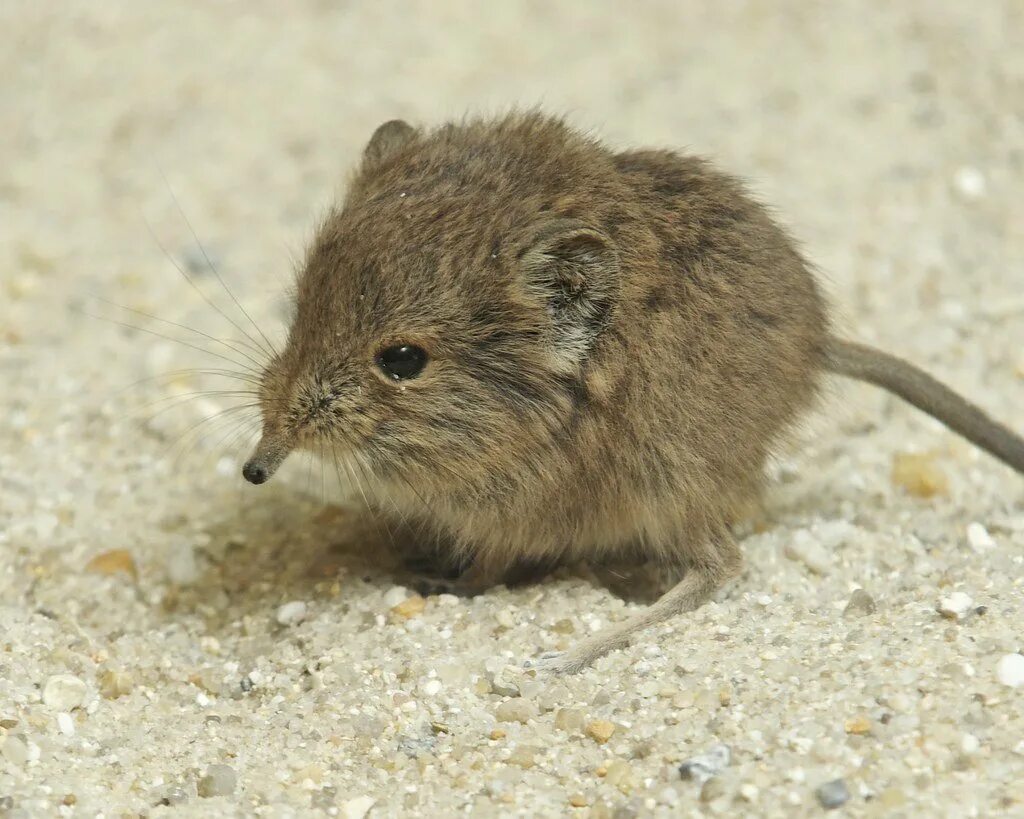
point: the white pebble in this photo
(65, 724)
(64, 692)
(955, 606)
(432, 687)
(970, 182)
(293, 613)
(395, 595)
(14, 750)
(978, 538)
(970, 744)
(1010, 670)
(182, 567)
(356, 808)
(807, 550)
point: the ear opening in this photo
(574, 270)
(386, 140)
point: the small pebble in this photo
(1010, 670)
(969, 182)
(620, 774)
(860, 603)
(803, 547)
(505, 684)
(431, 687)
(175, 795)
(516, 710)
(578, 800)
(114, 684)
(410, 607)
(14, 751)
(919, 475)
(570, 720)
(220, 780)
(749, 792)
(113, 562)
(955, 606)
(65, 724)
(833, 794)
(978, 538)
(703, 767)
(64, 692)
(524, 756)
(182, 566)
(395, 595)
(858, 726)
(293, 613)
(600, 730)
(356, 808)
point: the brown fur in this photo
(616, 342)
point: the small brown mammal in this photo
(541, 350)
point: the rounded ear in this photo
(574, 270)
(387, 139)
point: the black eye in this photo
(402, 361)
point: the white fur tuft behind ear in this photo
(574, 270)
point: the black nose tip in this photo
(255, 473)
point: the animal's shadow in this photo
(287, 546)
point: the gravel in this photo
(833, 794)
(139, 571)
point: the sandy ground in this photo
(146, 664)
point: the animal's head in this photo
(446, 310)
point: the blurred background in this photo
(887, 136)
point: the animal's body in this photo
(540, 350)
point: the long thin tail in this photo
(915, 386)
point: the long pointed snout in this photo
(269, 455)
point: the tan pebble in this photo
(919, 475)
(114, 684)
(497, 733)
(314, 773)
(600, 730)
(569, 720)
(524, 756)
(440, 728)
(892, 798)
(859, 725)
(516, 710)
(578, 800)
(564, 626)
(69, 799)
(601, 771)
(620, 774)
(725, 697)
(410, 607)
(116, 561)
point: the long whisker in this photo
(172, 402)
(272, 351)
(245, 367)
(244, 377)
(226, 418)
(202, 295)
(229, 344)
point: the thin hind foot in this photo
(721, 563)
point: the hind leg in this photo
(706, 574)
